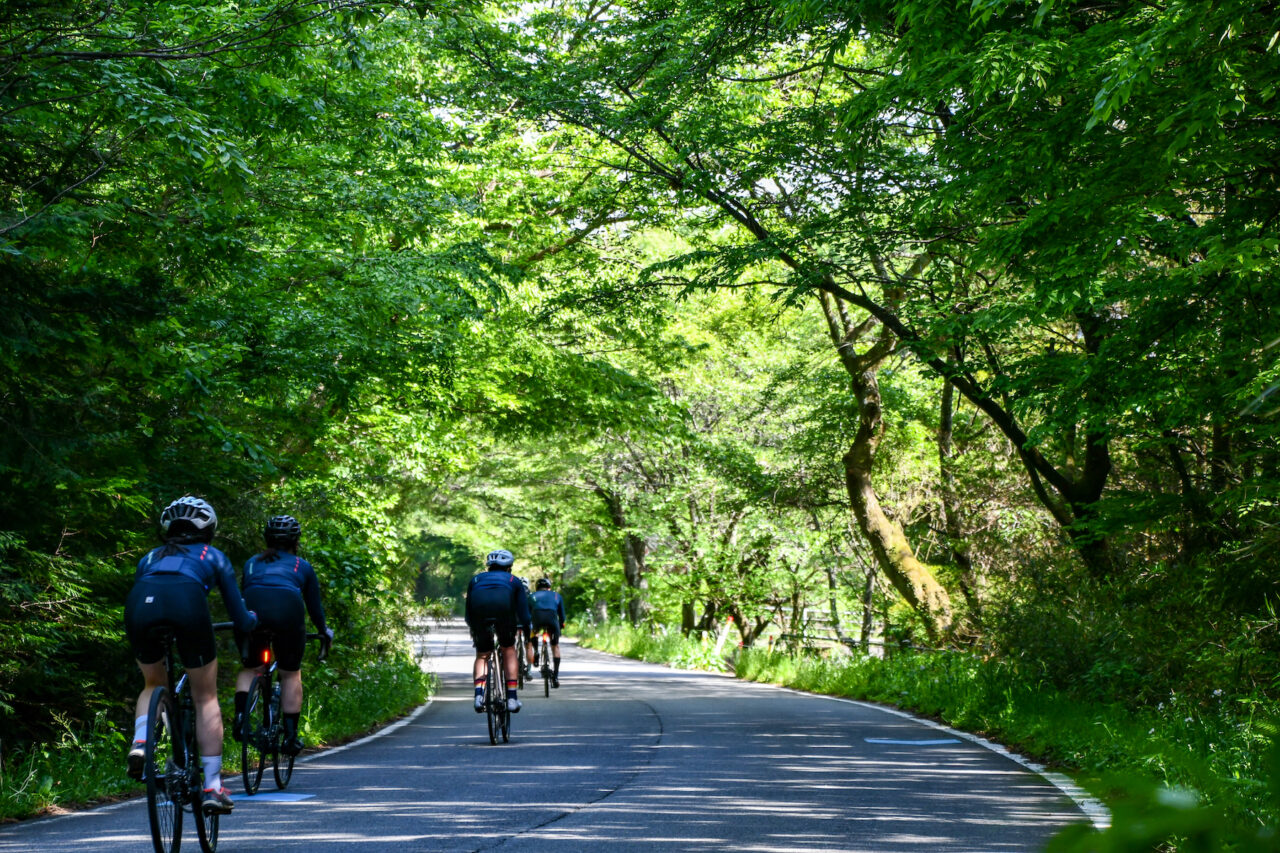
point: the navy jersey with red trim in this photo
(202, 564)
(500, 580)
(287, 572)
(548, 604)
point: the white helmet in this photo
(501, 558)
(186, 515)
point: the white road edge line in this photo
(1094, 809)
(385, 730)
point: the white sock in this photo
(212, 771)
(140, 729)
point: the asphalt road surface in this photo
(625, 756)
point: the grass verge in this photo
(84, 767)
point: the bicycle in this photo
(172, 767)
(495, 691)
(544, 662)
(522, 664)
(263, 725)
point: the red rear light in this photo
(266, 656)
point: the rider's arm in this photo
(523, 617)
(560, 608)
(466, 612)
(311, 597)
(226, 578)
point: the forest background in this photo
(950, 326)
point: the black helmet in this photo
(501, 558)
(189, 516)
(543, 583)
(282, 528)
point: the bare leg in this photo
(154, 674)
(290, 692)
(245, 679)
(204, 691)
(509, 662)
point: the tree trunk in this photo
(687, 618)
(893, 553)
(950, 506)
(633, 553)
(868, 610)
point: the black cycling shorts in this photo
(177, 603)
(495, 604)
(281, 626)
(551, 627)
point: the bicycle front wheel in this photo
(281, 763)
(254, 735)
(164, 769)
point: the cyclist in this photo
(496, 595)
(548, 615)
(278, 584)
(170, 589)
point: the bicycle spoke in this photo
(164, 771)
(257, 722)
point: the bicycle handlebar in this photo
(325, 645)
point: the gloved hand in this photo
(326, 642)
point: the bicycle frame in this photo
(495, 691)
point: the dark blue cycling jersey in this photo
(203, 564)
(286, 572)
(497, 594)
(548, 607)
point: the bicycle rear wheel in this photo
(164, 767)
(254, 735)
(504, 712)
(207, 829)
(493, 696)
(281, 764)
(544, 655)
(206, 824)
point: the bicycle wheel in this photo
(206, 824)
(492, 697)
(281, 764)
(543, 655)
(255, 731)
(164, 771)
(505, 714)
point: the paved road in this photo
(626, 756)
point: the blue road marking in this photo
(935, 742)
(271, 797)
